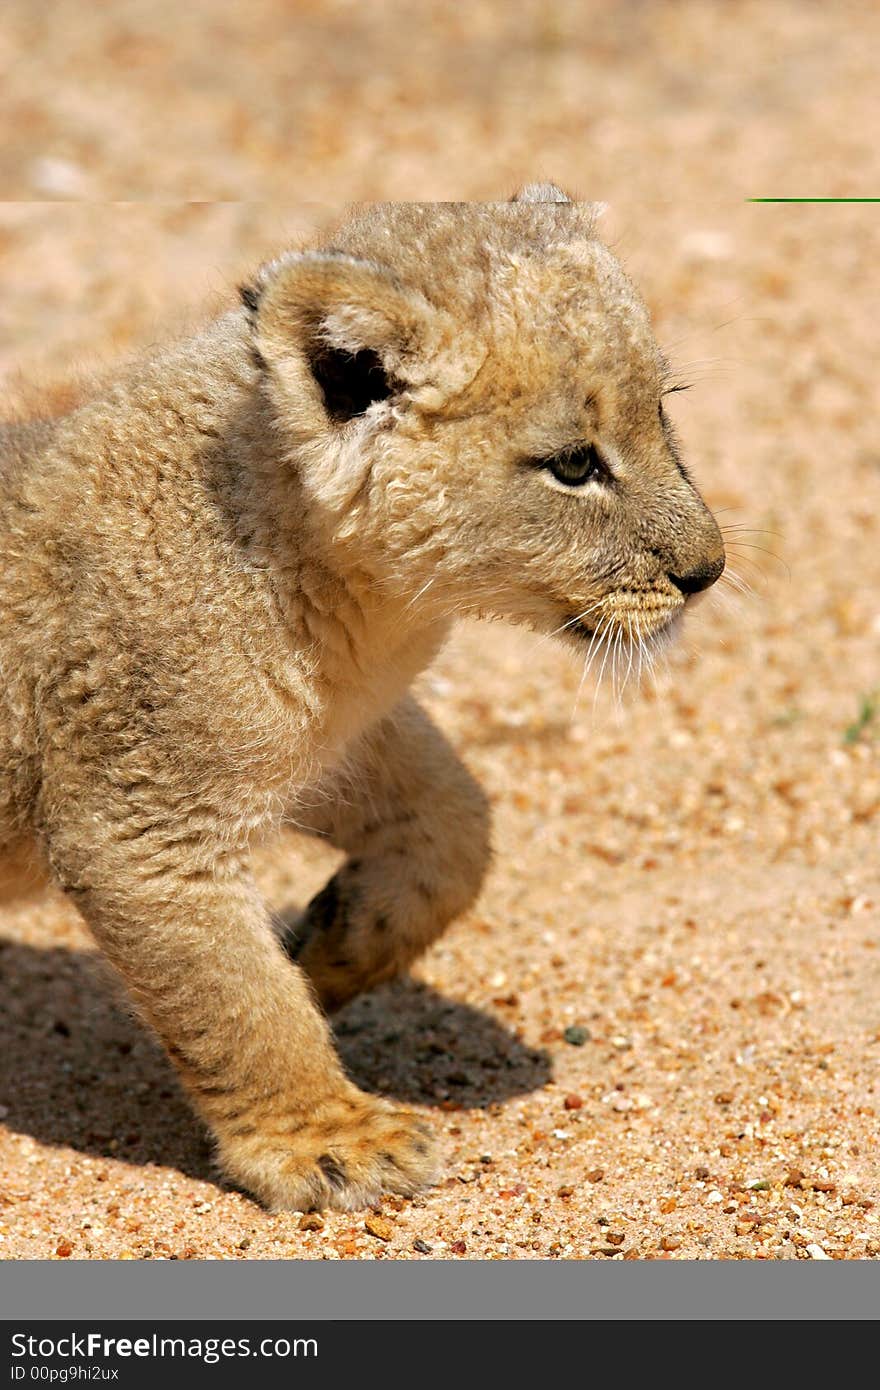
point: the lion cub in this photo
(220, 577)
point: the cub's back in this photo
(21, 444)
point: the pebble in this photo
(422, 1246)
(707, 245)
(816, 1252)
(670, 1243)
(576, 1035)
(311, 1221)
(573, 1102)
(379, 1226)
(58, 178)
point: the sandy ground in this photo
(658, 1034)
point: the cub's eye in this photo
(575, 467)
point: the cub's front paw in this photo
(344, 1156)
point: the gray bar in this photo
(534, 1290)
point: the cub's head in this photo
(473, 398)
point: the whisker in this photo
(651, 647)
(626, 653)
(579, 617)
(588, 661)
(632, 653)
(601, 673)
(749, 545)
(750, 530)
(748, 560)
(647, 647)
(641, 643)
(422, 590)
(616, 687)
(736, 581)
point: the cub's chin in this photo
(626, 633)
(670, 629)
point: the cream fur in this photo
(216, 591)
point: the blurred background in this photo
(333, 99)
(690, 880)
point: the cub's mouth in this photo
(631, 625)
(622, 641)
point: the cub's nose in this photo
(701, 577)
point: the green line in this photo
(813, 200)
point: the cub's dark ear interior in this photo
(361, 334)
(350, 381)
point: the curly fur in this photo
(220, 576)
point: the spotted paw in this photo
(346, 1156)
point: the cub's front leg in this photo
(415, 825)
(179, 917)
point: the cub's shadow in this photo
(406, 1040)
(79, 1070)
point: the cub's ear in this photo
(361, 333)
(540, 193)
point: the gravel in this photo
(657, 1034)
